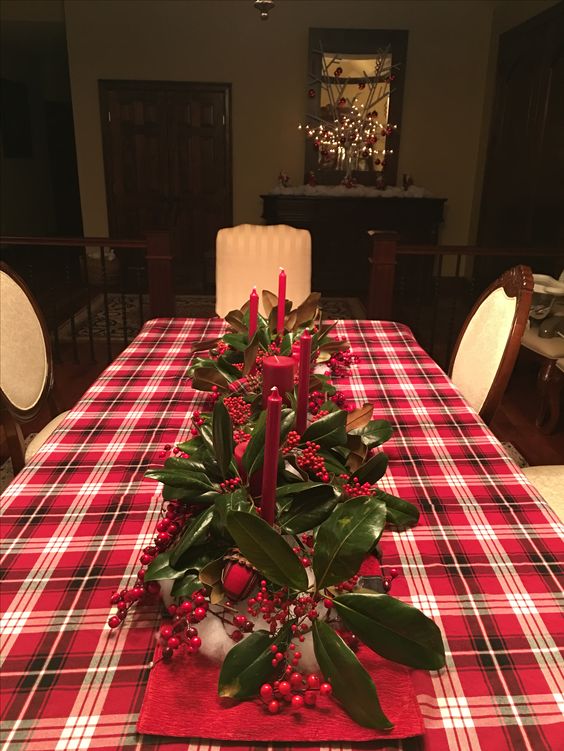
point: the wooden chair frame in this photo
(12, 416)
(516, 282)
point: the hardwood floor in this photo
(513, 422)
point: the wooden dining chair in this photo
(487, 346)
(251, 255)
(26, 367)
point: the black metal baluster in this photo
(71, 301)
(122, 274)
(435, 301)
(140, 292)
(106, 305)
(84, 256)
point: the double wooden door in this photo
(167, 159)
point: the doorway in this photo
(167, 162)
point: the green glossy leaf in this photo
(186, 586)
(372, 470)
(333, 464)
(193, 533)
(374, 433)
(253, 458)
(393, 629)
(307, 508)
(226, 502)
(345, 538)
(237, 341)
(198, 556)
(328, 430)
(160, 568)
(352, 685)
(205, 378)
(236, 320)
(266, 550)
(195, 482)
(400, 514)
(249, 664)
(228, 369)
(188, 497)
(250, 355)
(222, 432)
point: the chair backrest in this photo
(487, 347)
(251, 255)
(26, 368)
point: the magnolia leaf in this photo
(372, 470)
(333, 346)
(237, 341)
(217, 594)
(193, 533)
(222, 432)
(305, 313)
(267, 550)
(227, 369)
(210, 574)
(374, 433)
(160, 568)
(345, 538)
(291, 321)
(393, 629)
(357, 453)
(327, 431)
(359, 417)
(400, 514)
(269, 301)
(204, 344)
(206, 378)
(186, 586)
(235, 319)
(196, 483)
(305, 507)
(226, 502)
(249, 663)
(352, 685)
(250, 355)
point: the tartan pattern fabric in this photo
(484, 561)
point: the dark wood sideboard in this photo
(339, 231)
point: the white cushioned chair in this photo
(549, 481)
(250, 255)
(487, 347)
(26, 367)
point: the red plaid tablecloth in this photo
(483, 561)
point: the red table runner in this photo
(484, 561)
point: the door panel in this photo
(168, 166)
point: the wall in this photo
(266, 62)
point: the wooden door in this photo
(167, 158)
(523, 191)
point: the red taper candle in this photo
(253, 312)
(281, 301)
(303, 381)
(277, 370)
(271, 449)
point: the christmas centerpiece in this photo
(267, 555)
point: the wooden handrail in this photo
(158, 254)
(386, 248)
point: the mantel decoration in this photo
(349, 130)
(271, 511)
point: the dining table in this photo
(484, 561)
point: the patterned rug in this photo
(128, 312)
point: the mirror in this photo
(355, 88)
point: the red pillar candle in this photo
(277, 371)
(281, 302)
(253, 312)
(271, 449)
(303, 381)
(296, 355)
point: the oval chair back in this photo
(487, 347)
(26, 365)
(251, 255)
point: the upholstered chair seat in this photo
(251, 255)
(39, 439)
(549, 481)
(486, 350)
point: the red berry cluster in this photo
(320, 414)
(353, 488)
(310, 461)
(167, 530)
(221, 348)
(239, 410)
(181, 631)
(340, 362)
(229, 485)
(339, 399)
(273, 349)
(214, 394)
(292, 440)
(239, 436)
(387, 580)
(316, 399)
(298, 690)
(197, 422)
